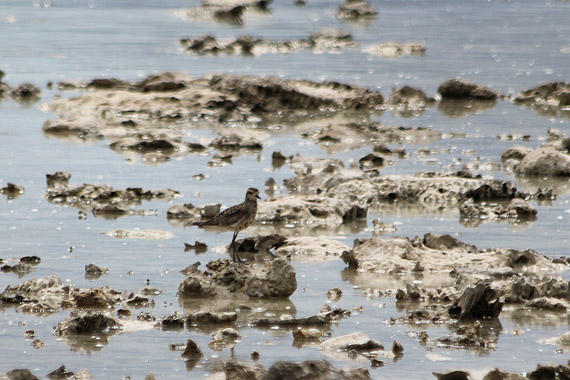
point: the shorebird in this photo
(235, 218)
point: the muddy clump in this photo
(311, 248)
(49, 295)
(325, 40)
(462, 98)
(25, 93)
(324, 318)
(460, 89)
(477, 302)
(224, 279)
(356, 10)
(12, 191)
(281, 370)
(409, 101)
(87, 331)
(309, 211)
(338, 186)
(225, 11)
(205, 318)
(261, 244)
(146, 120)
(543, 161)
(22, 265)
(438, 253)
(352, 135)
(549, 99)
(314, 369)
(396, 50)
(99, 199)
(356, 346)
(516, 211)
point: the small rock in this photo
(479, 301)
(172, 322)
(397, 348)
(497, 374)
(20, 374)
(12, 191)
(60, 373)
(334, 294)
(452, 375)
(377, 363)
(192, 354)
(234, 369)
(191, 350)
(460, 89)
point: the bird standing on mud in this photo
(236, 218)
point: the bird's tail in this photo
(199, 224)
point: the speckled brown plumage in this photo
(236, 218)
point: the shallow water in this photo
(510, 46)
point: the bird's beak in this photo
(258, 197)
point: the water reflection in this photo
(457, 108)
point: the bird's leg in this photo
(232, 246)
(235, 250)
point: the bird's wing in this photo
(227, 217)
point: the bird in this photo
(235, 218)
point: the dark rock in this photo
(207, 318)
(235, 142)
(371, 160)
(21, 374)
(468, 336)
(549, 98)
(460, 89)
(222, 278)
(313, 370)
(93, 271)
(355, 9)
(397, 348)
(192, 354)
(478, 302)
(163, 86)
(497, 374)
(407, 100)
(236, 370)
(108, 83)
(12, 191)
(329, 39)
(172, 322)
(102, 199)
(95, 297)
(435, 241)
(517, 210)
(324, 318)
(26, 92)
(550, 372)
(452, 375)
(262, 244)
(60, 374)
(191, 350)
(87, 323)
(270, 95)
